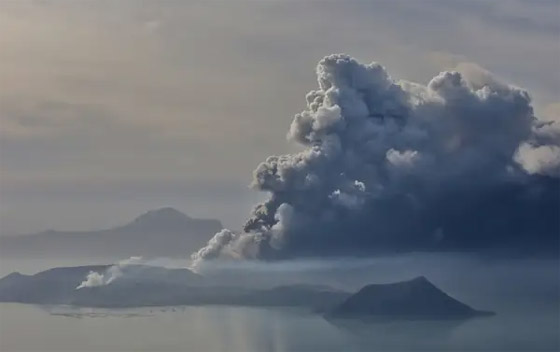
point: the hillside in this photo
(413, 299)
(142, 285)
(164, 232)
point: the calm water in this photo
(215, 329)
(524, 293)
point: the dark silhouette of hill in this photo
(414, 299)
(142, 285)
(164, 232)
(53, 286)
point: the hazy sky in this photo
(111, 108)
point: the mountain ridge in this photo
(160, 232)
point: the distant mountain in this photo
(414, 299)
(164, 232)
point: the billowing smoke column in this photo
(387, 165)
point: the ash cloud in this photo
(459, 164)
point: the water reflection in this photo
(397, 334)
(231, 329)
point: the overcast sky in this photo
(112, 108)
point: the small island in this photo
(416, 299)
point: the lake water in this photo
(214, 329)
(524, 293)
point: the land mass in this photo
(164, 232)
(413, 299)
(142, 285)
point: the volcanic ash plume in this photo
(461, 163)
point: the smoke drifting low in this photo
(136, 268)
(95, 279)
(388, 165)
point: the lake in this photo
(220, 328)
(524, 294)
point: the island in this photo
(416, 299)
(142, 285)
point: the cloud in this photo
(544, 159)
(388, 163)
(402, 160)
(165, 77)
(548, 128)
(541, 154)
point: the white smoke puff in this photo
(544, 159)
(415, 148)
(94, 279)
(225, 245)
(403, 160)
(284, 217)
(327, 117)
(360, 186)
(215, 245)
(352, 197)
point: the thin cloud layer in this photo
(394, 165)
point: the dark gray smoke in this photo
(388, 165)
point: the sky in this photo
(109, 109)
